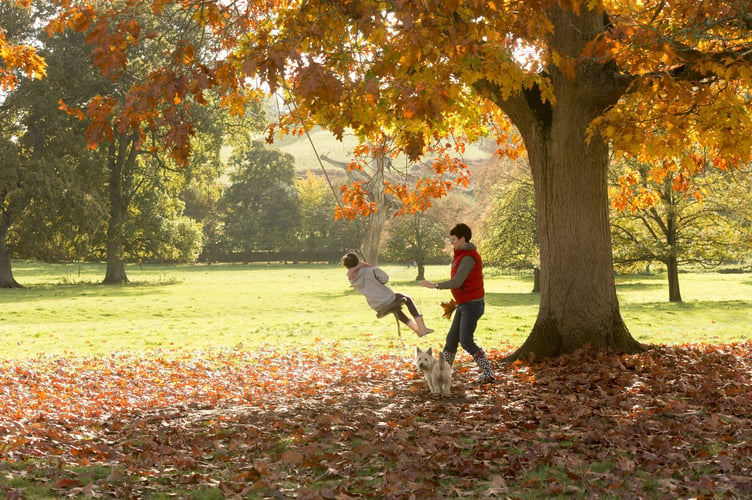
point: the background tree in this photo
(655, 221)
(66, 219)
(70, 213)
(17, 61)
(159, 227)
(218, 133)
(367, 189)
(318, 231)
(48, 174)
(417, 238)
(134, 145)
(378, 189)
(509, 230)
(261, 208)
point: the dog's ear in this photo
(417, 350)
(430, 351)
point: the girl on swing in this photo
(371, 281)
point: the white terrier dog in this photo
(437, 371)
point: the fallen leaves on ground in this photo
(672, 422)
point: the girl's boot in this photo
(424, 330)
(414, 327)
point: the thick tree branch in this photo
(691, 56)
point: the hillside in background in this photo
(326, 145)
(462, 203)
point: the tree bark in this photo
(121, 159)
(14, 206)
(421, 271)
(6, 272)
(578, 302)
(672, 267)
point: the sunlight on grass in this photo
(64, 309)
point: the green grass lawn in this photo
(141, 399)
(65, 310)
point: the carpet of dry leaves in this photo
(674, 422)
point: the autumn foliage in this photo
(671, 422)
(18, 59)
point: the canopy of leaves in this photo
(409, 68)
(672, 422)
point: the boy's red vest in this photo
(472, 288)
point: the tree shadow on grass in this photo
(66, 291)
(512, 299)
(695, 305)
(637, 286)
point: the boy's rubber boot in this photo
(487, 375)
(449, 357)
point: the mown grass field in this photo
(65, 309)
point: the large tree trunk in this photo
(121, 158)
(578, 302)
(15, 204)
(6, 272)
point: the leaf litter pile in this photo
(674, 422)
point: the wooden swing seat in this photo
(391, 308)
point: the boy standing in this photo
(466, 284)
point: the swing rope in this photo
(294, 111)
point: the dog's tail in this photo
(442, 358)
